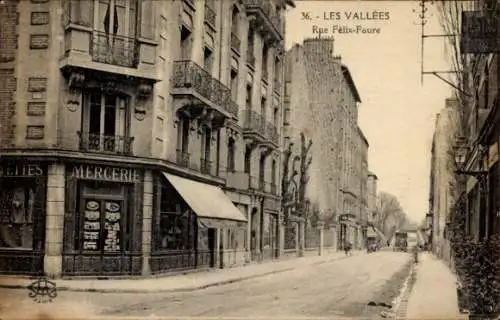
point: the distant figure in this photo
(348, 248)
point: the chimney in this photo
(319, 46)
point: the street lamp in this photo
(460, 153)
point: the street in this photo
(340, 288)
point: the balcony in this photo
(201, 90)
(182, 158)
(266, 18)
(90, 142)
(114, 49)
(205, 166)
(235, 43)
(255, 125)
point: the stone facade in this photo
(372, 195)
(442, 174)
(122, 92)
(327, 113)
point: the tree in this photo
(305, 163)
(389, 215)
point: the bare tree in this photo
(389, 215)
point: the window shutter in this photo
(147, 19)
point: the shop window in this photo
(176, 223)
(104, 219)
(17, 202)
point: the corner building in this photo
(139, 137)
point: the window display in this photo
(16, 216)
(101, 232)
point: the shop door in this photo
(211, 246)
(103, 232)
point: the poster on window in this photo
(16, 217)
(112, 226)
(91, 225)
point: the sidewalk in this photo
(434, 294)
(186, 282)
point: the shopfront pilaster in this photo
(147, 222)
(54, 220)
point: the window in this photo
(234, 85)
(184, 128)
(275, 118)
(263, 103)
(206, 143)
(277, 72)
(208, 59)
(265, 53)
(262, 167)
(185, 43)
(234, 20)
(17, 202)
(248, 159)
(250, 53)
(230, 155)
(273, 175)
(105, 121)
(117, 17)
(249, 97)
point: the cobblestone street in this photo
(341, 288)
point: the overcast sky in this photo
(397, 113)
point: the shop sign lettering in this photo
(21, 170)
(105, 173)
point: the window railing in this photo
(206, 166)
(189, 75)
(92, 142)
(235, 43)
(257, 123)
(182, 158)
(114, 49)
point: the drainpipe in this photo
(220, 37)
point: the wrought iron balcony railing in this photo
(189, 75)
(210, 15)
(114, 49)
(235, 43)
(253, 121)
(272, 133)
(206, 166)
(92, 142)
(182, 158)
(267, 9)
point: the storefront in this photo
(22, 216)
(348, 230)
(189, 218)
(103, 220)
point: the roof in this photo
(350, 82)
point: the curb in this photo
(402, 304)
(188, 289)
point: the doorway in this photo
(211, 246)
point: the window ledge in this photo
(147, 41)
(73, 26)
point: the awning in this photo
(213, 208)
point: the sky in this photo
(397, 113)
